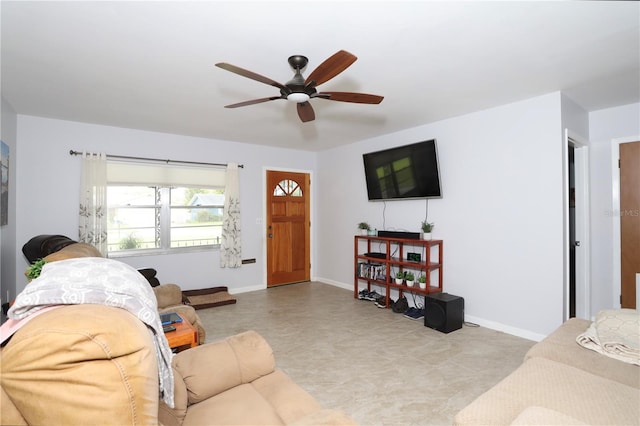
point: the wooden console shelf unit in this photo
(381, 270)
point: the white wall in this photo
(8, 134)
(604, 126)
(48, 188)
(500, 216)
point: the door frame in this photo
(263, 220)
(615, 209)
(582, 272)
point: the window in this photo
(287, 187)
(154, 215)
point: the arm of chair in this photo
(168, 295)
(213, 368)
(210, 369)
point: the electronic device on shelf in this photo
(376, 255)
(414, 257)
(168, 328)
(400, 234)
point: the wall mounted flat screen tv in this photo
(404, 172)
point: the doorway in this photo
(577, 292)
(288, 227)
(629, 221)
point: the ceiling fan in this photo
(300, 90)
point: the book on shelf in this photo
(373, 271)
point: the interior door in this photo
(288, 228)
(577, 292)
(629, 222)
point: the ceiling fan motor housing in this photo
(298, 62)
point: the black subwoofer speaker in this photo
(443, 312)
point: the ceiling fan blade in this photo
(250, 74)
(331, 67)
(359, 98)
(254, 101)
(305, 112)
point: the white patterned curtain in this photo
(93, 201)
(231, 245)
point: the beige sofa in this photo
(235, 382)
(561, 383)
(94, 364)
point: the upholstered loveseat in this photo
(562, 383)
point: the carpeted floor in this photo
(376, 365)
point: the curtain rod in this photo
(126, 157)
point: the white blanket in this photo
(616, 334)
(101, 281)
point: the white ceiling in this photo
(150, 65)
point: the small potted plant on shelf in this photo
(409, 279)
(426, 230)
(364, 228)
(422, 281)
(399, 277)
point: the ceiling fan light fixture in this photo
(297, 97)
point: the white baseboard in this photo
(514, 331)
(334, 283)
(525, 334)
(246, 289)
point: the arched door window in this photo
(287, 187)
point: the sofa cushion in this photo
(43, 245)
(9, 414)
(540, 416)
(290, 400)
(74, 364)
(555, 386)
(241, 405)
(561, 346)
(325, 417)
(168, 295)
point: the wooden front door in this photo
(629, 222)
(288, 245)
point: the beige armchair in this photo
(169, 297)
(80, 365)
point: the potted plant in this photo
(422, 281)
(409, 279)
(426, 230)
(364, 228)
(399, 277)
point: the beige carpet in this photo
(376, 365)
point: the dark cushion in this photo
(150, 275)
(43, 245)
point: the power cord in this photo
(467, 323)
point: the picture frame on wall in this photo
(4, 200)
